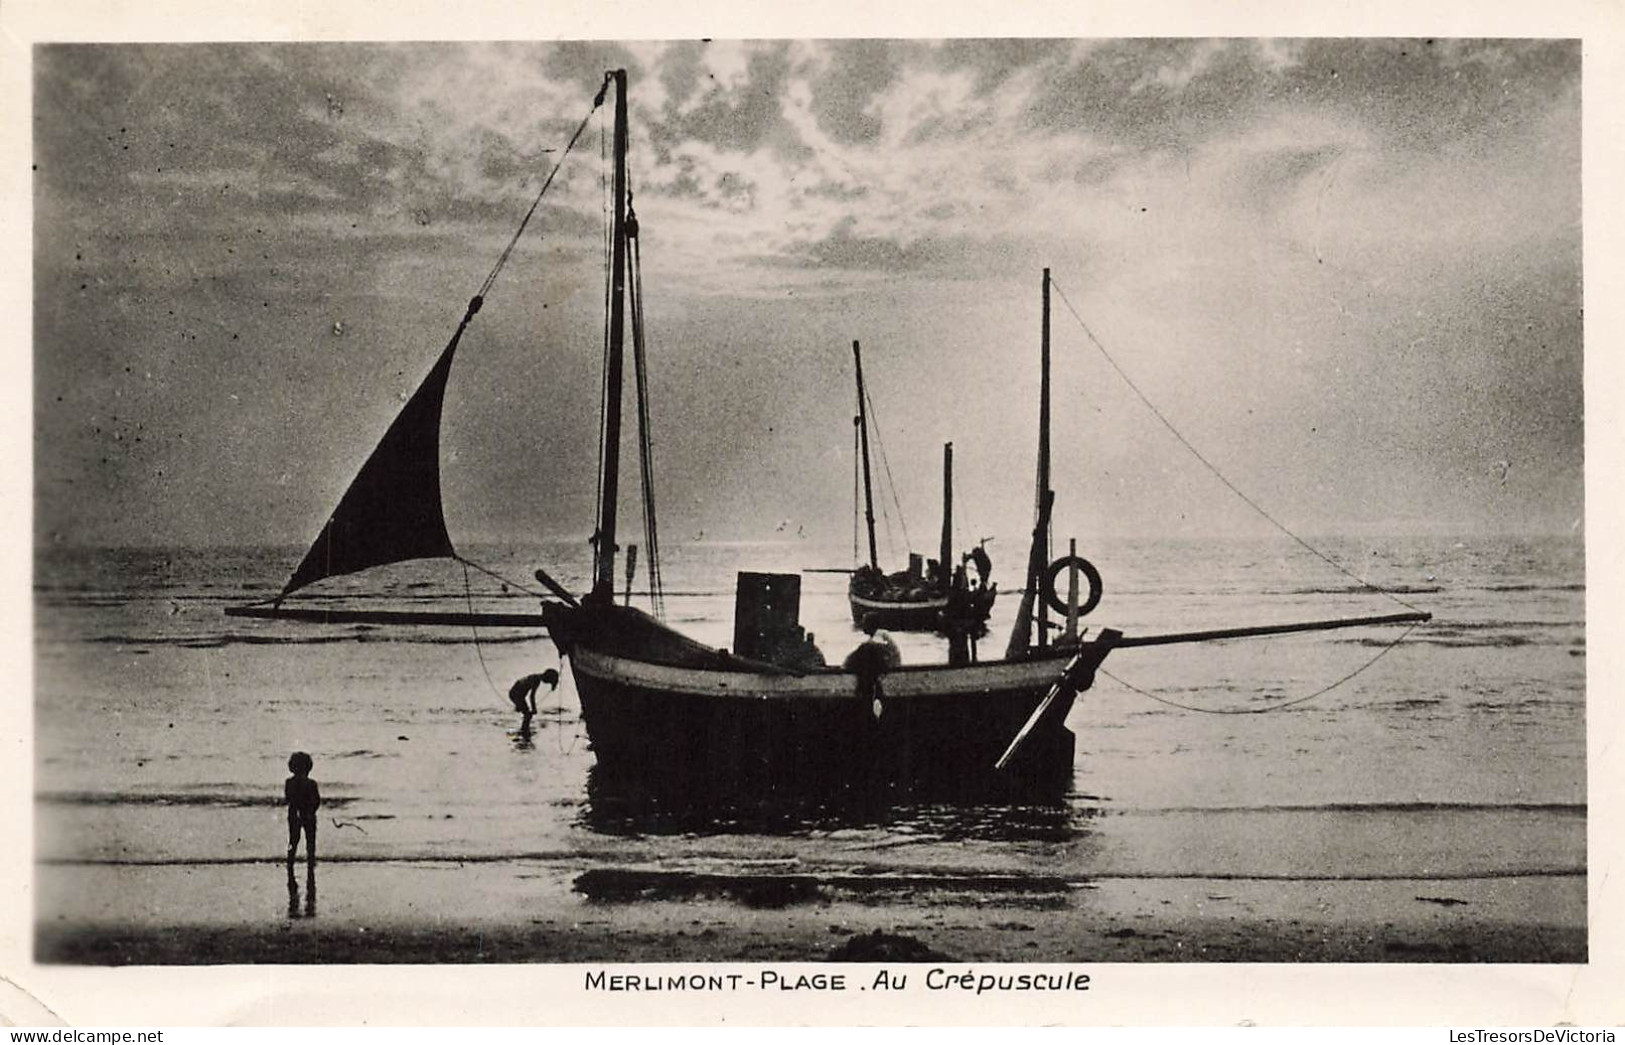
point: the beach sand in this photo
(541, 911)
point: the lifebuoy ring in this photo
(1055, 599)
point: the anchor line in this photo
(1273, 707)
(1211, 467)
(558, 721)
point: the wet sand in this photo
(541, 911)
(1433, 810)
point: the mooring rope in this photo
(1255, 506)
(479, 651)
(1273, 707)
(1211, 467)
(497, 576)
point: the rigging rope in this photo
(1211, 467)
(885, 463)
(478, 300)
(508, 250)
(657, 592)
(1273, 707)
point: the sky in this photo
(1348, 272)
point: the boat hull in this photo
(923, 614)
(920, 615)
(929, 732)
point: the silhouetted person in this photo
(304, 798)
(984, 566)
(959, 621)
(808, 657)
(877, 655)
(523, 694)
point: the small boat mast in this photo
(863, 440)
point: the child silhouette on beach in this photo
(304, 798)
(523, 695)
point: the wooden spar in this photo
(322, 616)
(947, 553)
(1271, 629)
(604, 549)
(1079, 674)
(863, 436)
(555, 587)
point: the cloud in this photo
(1288, 222)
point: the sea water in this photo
(163, 727)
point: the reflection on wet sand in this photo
(310, 891)
(621, 807)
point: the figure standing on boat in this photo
(875, 656)
(962, 620)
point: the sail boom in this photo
(1174, 638)
(337, 616)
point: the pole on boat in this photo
(863, 439)
(631, 570)
(604, 547)
(1046, 497)
(1072, 591)
(947, 552)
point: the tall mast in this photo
(947, 514)
(863, 439)
(604, 580)
(1021, 636)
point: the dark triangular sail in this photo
(392, 510)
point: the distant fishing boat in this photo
(927, 596)
(662, 709)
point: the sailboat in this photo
(933, 596)
(663, 709)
